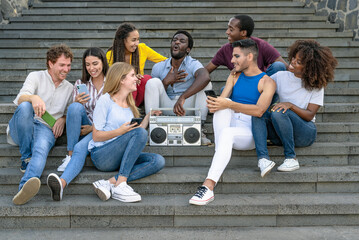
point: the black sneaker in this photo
(24, 164)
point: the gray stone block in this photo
(353, 4)
(322, 220)
(121, 221)
(229, 221)
(34, 222)
(351, 21)
(342, 5)
(332, 4)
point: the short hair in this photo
(247, 45)
(96, 52)
(318, 61)
(190, 39)
(56, 51)
(245, 23)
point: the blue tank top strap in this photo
(246, 89)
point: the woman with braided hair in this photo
(290, 122)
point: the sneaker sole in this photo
(22, 170)
(267, 170)
(201, 203)
(27, 192)
(287, 169)
(55, 187)
(128, 199)
(101, 194)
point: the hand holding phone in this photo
(136, 120)
(210, 93)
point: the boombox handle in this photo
(171, 109)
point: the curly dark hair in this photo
(318, 61)
(96, 52)
(118, 46)
(56, 51)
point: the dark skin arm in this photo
(201, 81)
(210, 67)
(174, 76)
(306, 114)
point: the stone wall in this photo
(343, 12)
(12, 8)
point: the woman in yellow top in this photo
(126, 47)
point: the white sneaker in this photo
(204, 140)
(65, 161)
(290, 164)
(203, 196)
(265, 166)
(55, 185)
(102, 189)
(125, 193)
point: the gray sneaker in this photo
(204, 140)
(103, 189)
(265, 166)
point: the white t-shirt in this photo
(108, 116)
(290, 89)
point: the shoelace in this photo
(201, 191)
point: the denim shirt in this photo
(189, 64)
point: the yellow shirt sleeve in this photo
(147, 53)
(109, 58)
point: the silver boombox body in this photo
(175, 130)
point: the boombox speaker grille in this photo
(158, 135)
(191, 135)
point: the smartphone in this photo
(210, 93)
(81, 88)
(136, 120)
(48, 118)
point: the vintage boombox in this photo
(175, 130)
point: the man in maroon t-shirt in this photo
(241, 27)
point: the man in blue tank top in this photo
(252, 92)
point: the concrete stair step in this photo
(185, 180)
(154, 10)
(168, 4)
(279, 233)
(319, 154)
(237, 210)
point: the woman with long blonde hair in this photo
(117, 144)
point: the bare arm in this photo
(266, 84)
(37, 103)
(100, 136)
(231, 80)
(306, 114)
(201, 81)
(210, 67)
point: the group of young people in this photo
(264, 98)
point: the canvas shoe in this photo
(203, 196)
(103, 189)
(24, 164)
(28, 191)
(265, 166)
(55, 185)
(290, 164)
(125, 193)
(204, 140)
(64, 164)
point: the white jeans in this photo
(231, 130)
(156, 97)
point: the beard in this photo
(179, 55)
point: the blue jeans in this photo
(125, 154)
(287, 129)
(34, 139)
(275, 67)
(76, 117)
